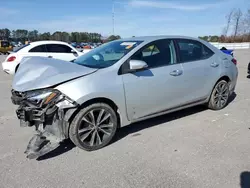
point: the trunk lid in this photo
(41, 72)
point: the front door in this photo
(157, 88)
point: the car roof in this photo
(47, 42)
(152, 38)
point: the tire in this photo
(220, 95)
(83, 127)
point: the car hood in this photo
(41, 72)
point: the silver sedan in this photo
(116, 84)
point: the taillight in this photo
(11, 58)
(234, 61)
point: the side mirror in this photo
(137, 65)
(74, 52)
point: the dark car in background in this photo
(5, 47)
(226, 51)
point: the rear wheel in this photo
(220, 95)
(93, 127)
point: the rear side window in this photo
(191, 50)
(39, 49)
(207, 53)
(58, 48)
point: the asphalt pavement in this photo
(193, 148)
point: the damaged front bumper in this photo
(50, 120)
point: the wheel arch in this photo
(225, 77)
(71, 113)
(17, 67)
(222, 77)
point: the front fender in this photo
(105, 84)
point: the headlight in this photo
(42, 97)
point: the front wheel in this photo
(220, 95)
(93, 127)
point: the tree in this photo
(246, 22)
(222, 38)
(20, 35)
(204, 38)
(13, 35)
(33, 35)
(84, 36)
(4, 34)
(113, 37)
(214, 38)
(240, 24)
(229, 20)
(76, 37)
(237, 16)
(65, 36)
(57, 36)
(44, 36)
(73, 36)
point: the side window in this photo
(40, 49)
(190, 50)
(150, 50)
(156, 54)
(58, 48)
(207, 53)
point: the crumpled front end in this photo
(45, 110)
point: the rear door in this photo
(39, 50)
(200, 69)
(61, 51)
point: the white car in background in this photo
(51, 49)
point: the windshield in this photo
(107, 54)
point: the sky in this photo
(131, 17)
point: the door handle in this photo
(214, 64)
(50, 56)
(176, 73)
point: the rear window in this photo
(19, 48)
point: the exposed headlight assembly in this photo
(42, 97)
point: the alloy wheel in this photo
(96, 127)
(221, 95)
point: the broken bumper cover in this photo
(27, 115)
(48, 121)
